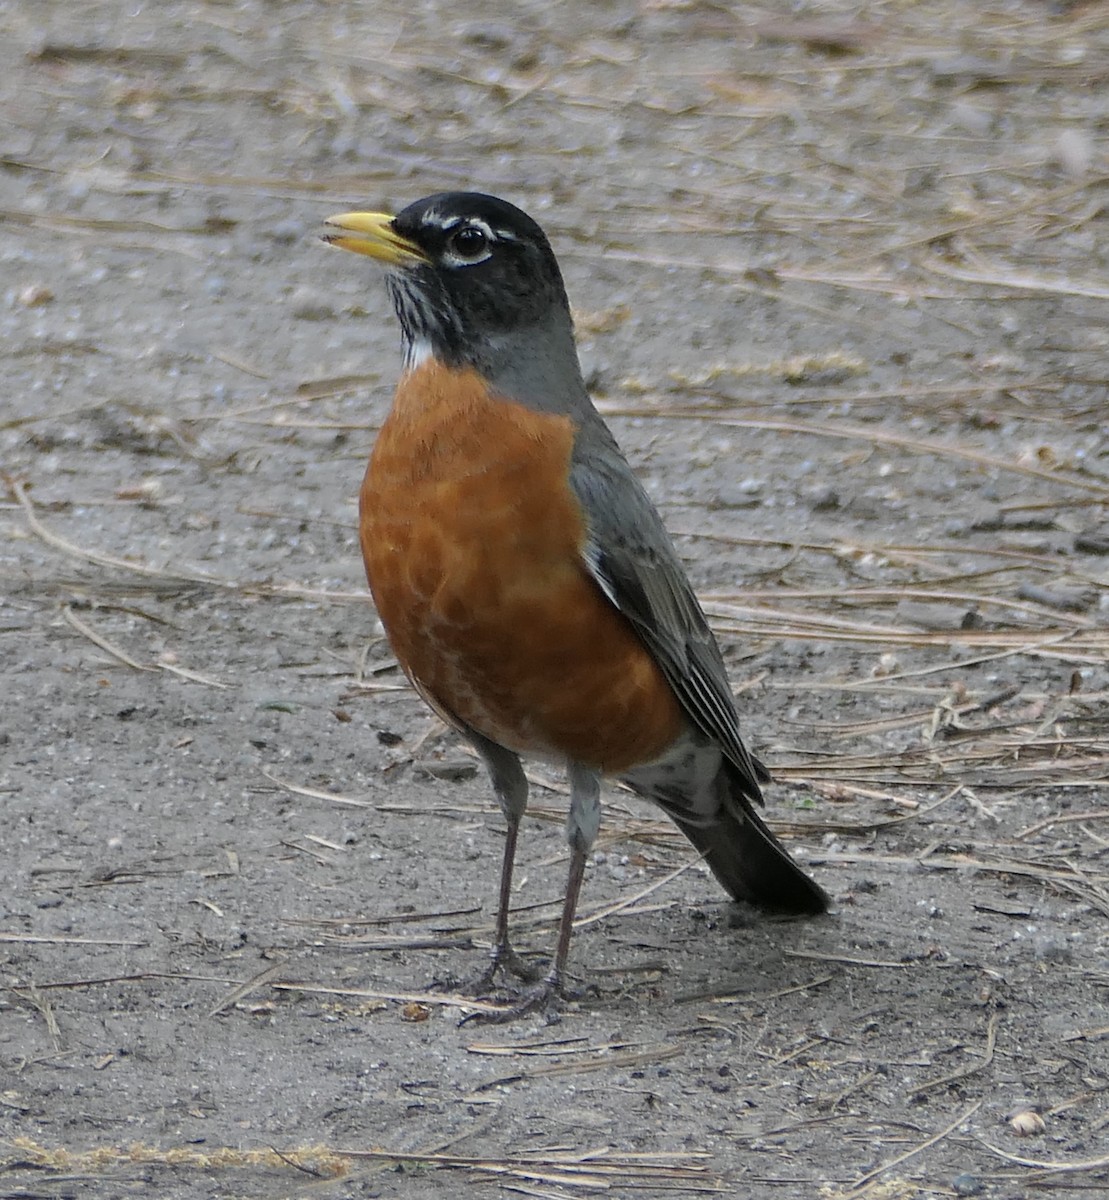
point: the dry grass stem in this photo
(933, 1085)
(864, 1184)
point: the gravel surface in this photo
(840, 274)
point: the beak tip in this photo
(373, 235)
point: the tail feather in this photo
(752, 865)
(748, 860)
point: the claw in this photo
(502, 958)
(539, 997)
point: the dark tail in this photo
(748, 859)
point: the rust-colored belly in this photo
(472, 540)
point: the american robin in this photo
(525, 580)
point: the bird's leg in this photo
(511, 788)
(582, 825)
(502, 954)
(581, 830)
(556, 975)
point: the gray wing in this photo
(632, 558)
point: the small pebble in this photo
(310, 305)
(824, 499)
(1027, 1123)
(1074, 152)
(34, 295)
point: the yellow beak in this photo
(373, 234)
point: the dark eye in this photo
(469, 242)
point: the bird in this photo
(525, 580)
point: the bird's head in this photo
(468, 274)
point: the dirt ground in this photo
(840, 275)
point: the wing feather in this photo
(634, 562)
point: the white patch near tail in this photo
(684, 780)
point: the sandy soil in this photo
(841, 280)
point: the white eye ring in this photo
(469, 243)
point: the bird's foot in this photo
(541, 996)
(502, 958)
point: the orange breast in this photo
(472, 541)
